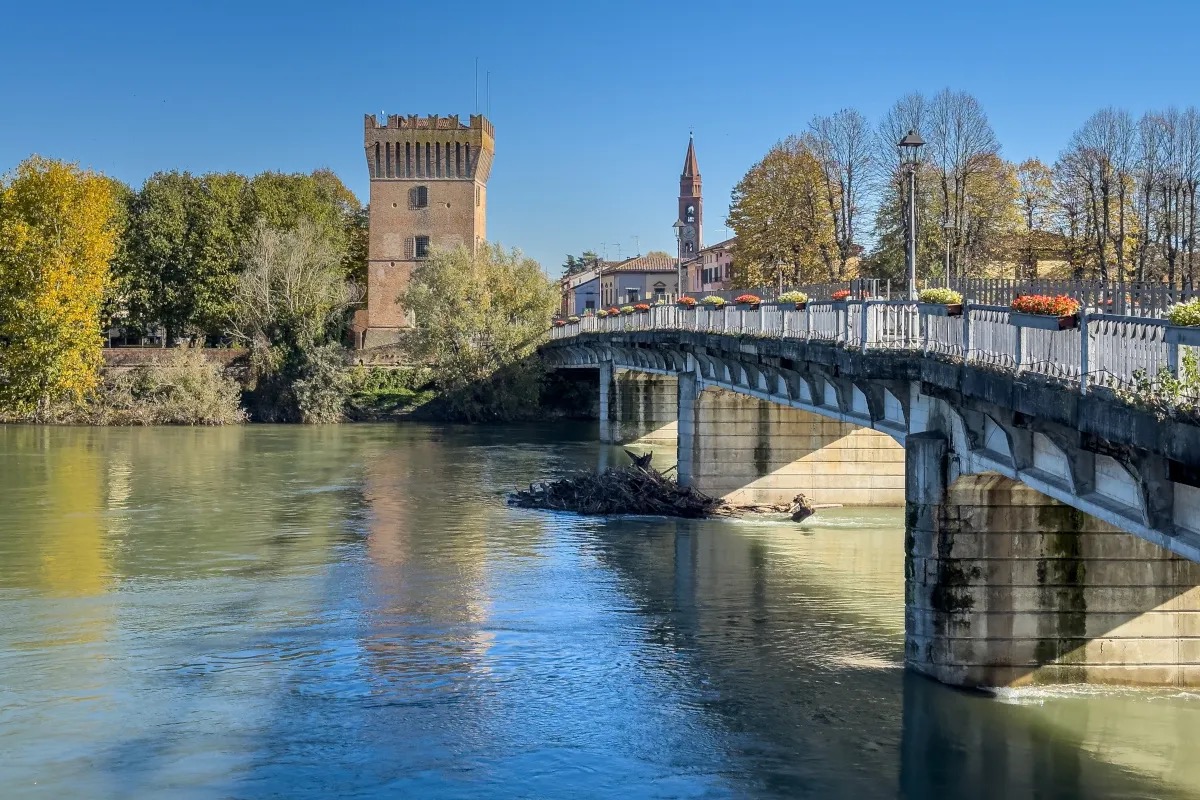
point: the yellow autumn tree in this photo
(58, 232)
(781, 216)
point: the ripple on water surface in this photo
(354, 612)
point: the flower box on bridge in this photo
(1043, 322)
(1184, 334)
(789, 306)
(940, 309)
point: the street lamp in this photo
(678, 226)
(779, 274)
(909, 158)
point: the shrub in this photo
(943, 297)
(840, 294)
(713, 300)
(793, 297)
(372, 380)
(626, 309)
(184, 388)
(1185, 314)
(1059, 306)
(641, 307)
(748, 299)
(687, 302)
(572, 319)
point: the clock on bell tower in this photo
(691, 204)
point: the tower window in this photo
(422, 246)
(687, 247)
(420, 197)
(691, 214)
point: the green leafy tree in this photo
(577, 264)
(480, 315)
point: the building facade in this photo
(643, 279)
(428, 192)
(710, 270)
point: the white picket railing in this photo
(1106, 350)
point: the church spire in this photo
(690, 168)
(691, 205)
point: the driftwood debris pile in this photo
(636, 489)
(639, 489)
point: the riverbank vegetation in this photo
(479, 318)
(274, 261)
(289, 307)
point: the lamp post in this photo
(678, 226)
(909, 147)
(779, 274)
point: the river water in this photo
(352, 611)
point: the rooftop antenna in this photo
(637, 244)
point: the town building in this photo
(709, 270)
(428, 192)
(650, 278)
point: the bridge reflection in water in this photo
(798, 639)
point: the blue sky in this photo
(592, 101)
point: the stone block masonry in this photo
(753, 451)
(1008, 587)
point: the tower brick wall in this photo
(428, 192)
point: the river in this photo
(352, 611)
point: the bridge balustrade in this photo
(1112, 351)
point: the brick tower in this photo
(428, 191)
(691, 204)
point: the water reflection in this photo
(353, 611)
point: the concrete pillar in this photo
(638, 407)
(685, 440)
(754, 451)
(607, 403)
(1008, 587)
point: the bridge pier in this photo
(637, 406)
(1007, 587)
(750, 450)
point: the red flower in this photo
(687, 301)
(840, 294)
(1059, 306)
(641, 307)
(747, 299)
(614, 311)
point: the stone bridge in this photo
(1052, 528)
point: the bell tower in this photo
(691, 204)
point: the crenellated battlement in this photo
(432, 122)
